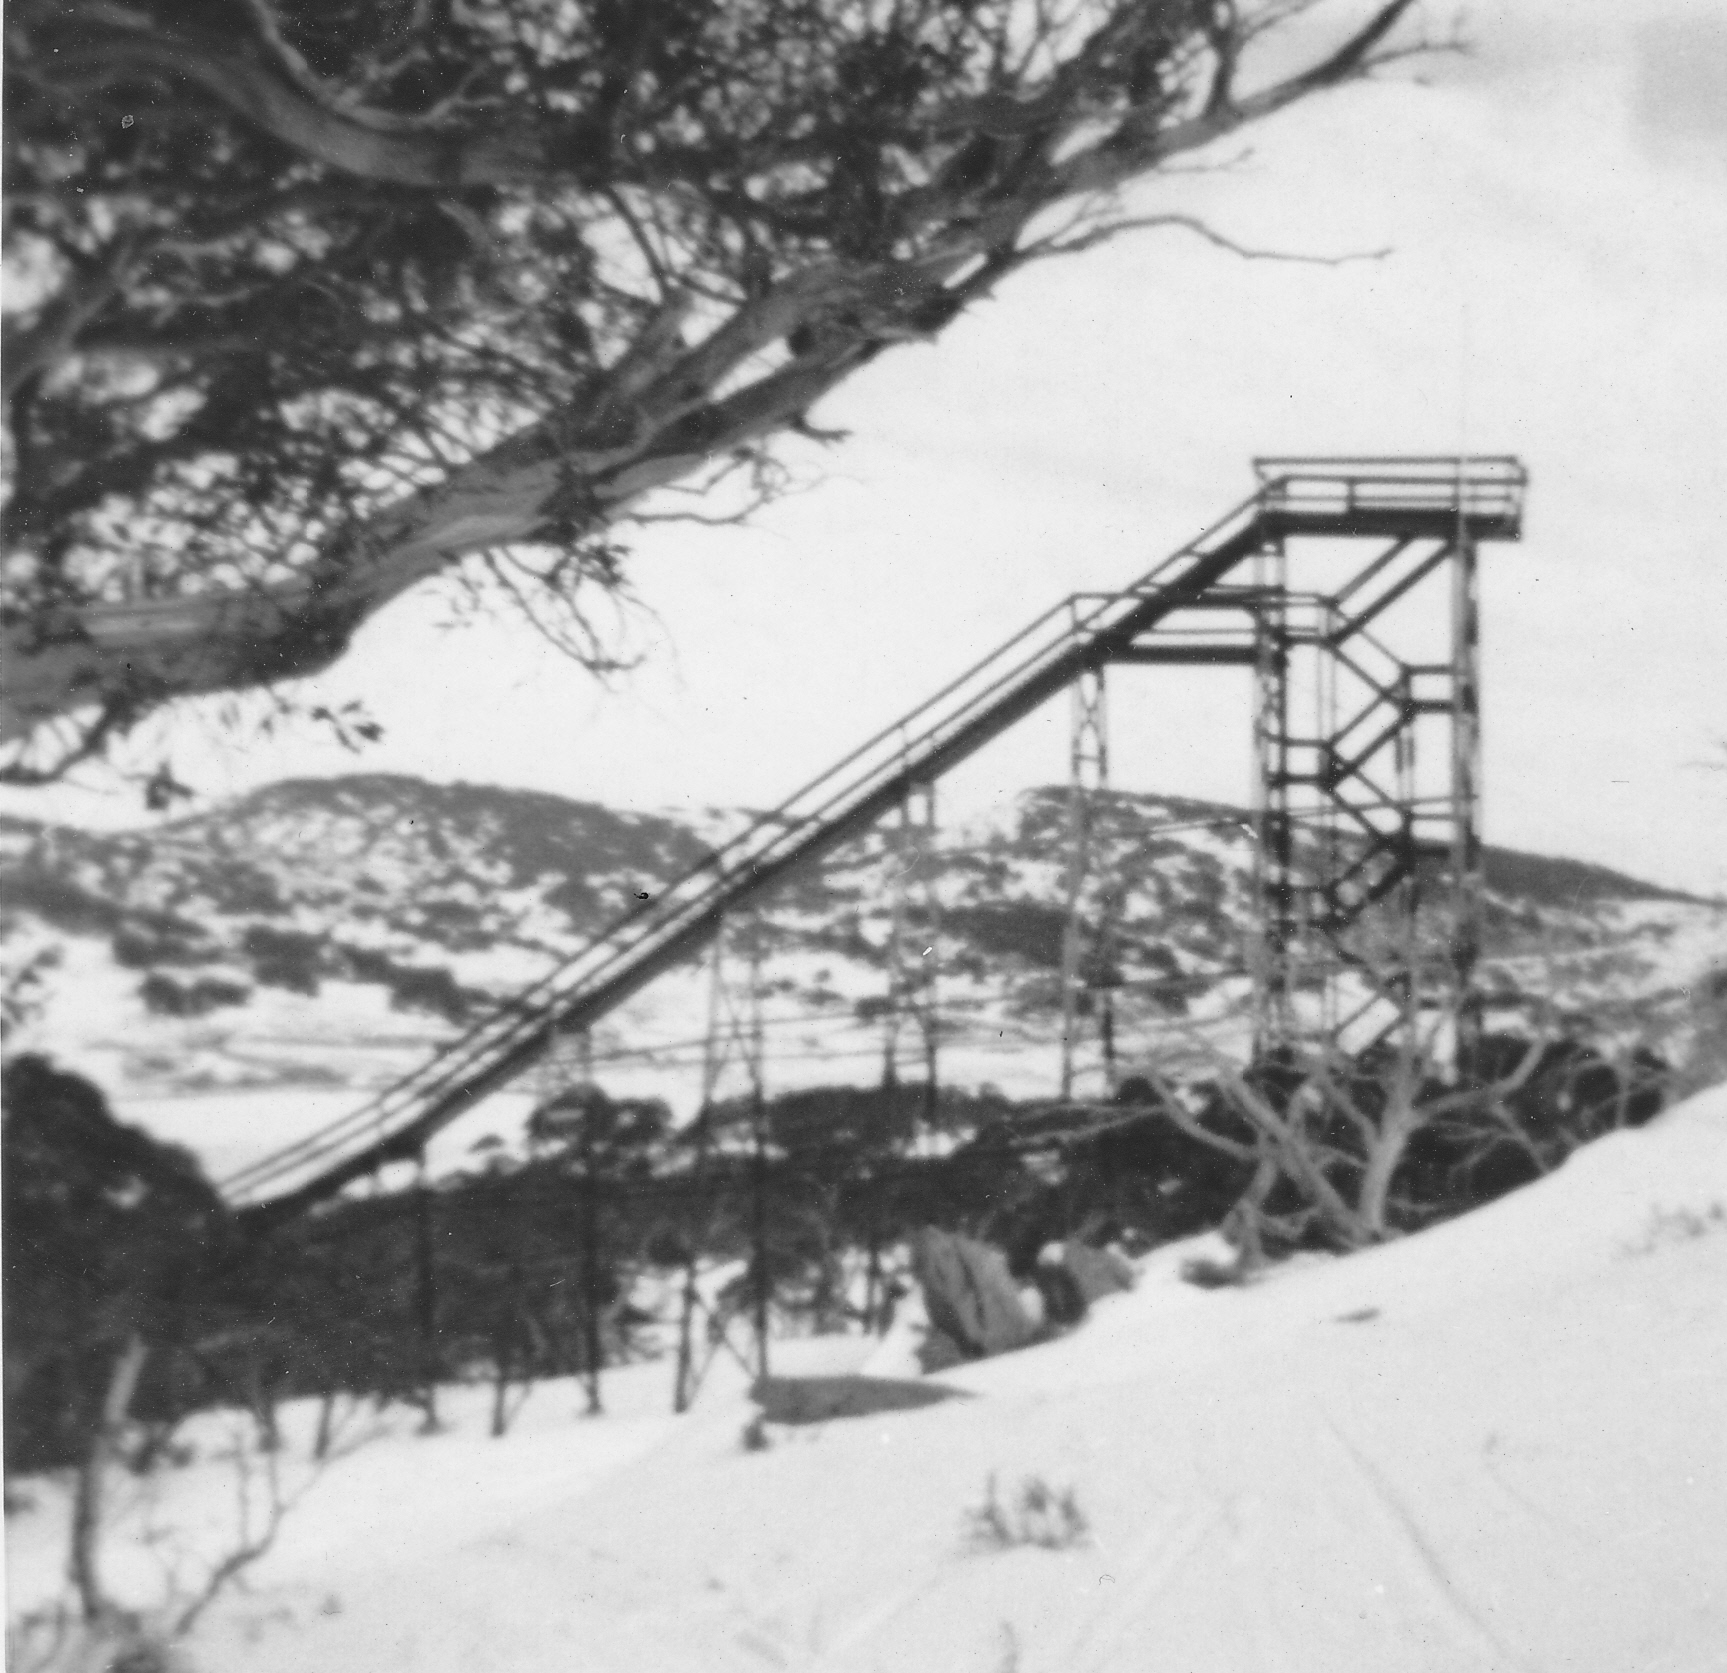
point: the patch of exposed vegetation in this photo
(287, 959)
(164, 996)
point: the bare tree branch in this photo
(1108, 230)
(533, 285)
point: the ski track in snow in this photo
(1144, 1581)
(1415, 1542)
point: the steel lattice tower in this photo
(1367, 732)
(1367, 890)
(1367, 896)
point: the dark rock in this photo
(1064, 1301)
(939, 1352)
(1097, 1272)
(970, 1294)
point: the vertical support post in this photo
(759, 1156)
(1085, 970)
(683, 1385)
(593, 1344)
(928, 930)
(1410, 974)
(1326, 906)
(1468, 879)
(899, 954)
(872, 1271)
(565, 1078)
(683, 1389)
(914, 944)
(426, 1295)
(1277, 924)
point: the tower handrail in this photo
(1478, 485)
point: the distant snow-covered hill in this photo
(324, 933)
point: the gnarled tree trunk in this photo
(92, 1472)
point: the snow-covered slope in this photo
(1494, 1447)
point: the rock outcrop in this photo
(970, 1294)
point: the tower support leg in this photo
(1468, 873)
(426, 1298)
(593, 1343)
(762, 1287)
(713, 1061)
(914, 945)
(1087, 997)
(736, 1036)
(1367, 742)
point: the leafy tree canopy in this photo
(107, 1234)
(311, 300)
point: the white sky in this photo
(1557, 209)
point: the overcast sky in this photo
(1557, 213)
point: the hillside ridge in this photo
(1548, 879)
(325, 932)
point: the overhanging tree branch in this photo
(260, 87)
(540, 264)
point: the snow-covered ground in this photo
(1499, 1445)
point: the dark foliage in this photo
(167, 997)
(1364, 1154)
(613, 1138)
(1544, 880)
(283, 958)
(108, 1233)
(296, 279)
(413, 987)
(147, 939)
(62, 902)
(1027, 930)
(532, 1262)
(1574, 1094)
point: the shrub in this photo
(147, 940)
(413, 987)
(54, 1640)
(1040, 1515)
(107, 1234)
(1679, 1225)
(1030, 931)
(166, 997)
(284, 958)
(32, 888)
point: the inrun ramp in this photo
(1398, 499)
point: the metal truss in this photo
(914, 943)
(1371, 884)
(1088, 974)
(565, 1075)
(1368, 884)
(735, 1039)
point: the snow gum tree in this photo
(313, 300)
(108, 1240)
(1343, 1151)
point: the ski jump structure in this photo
(1343, 823)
